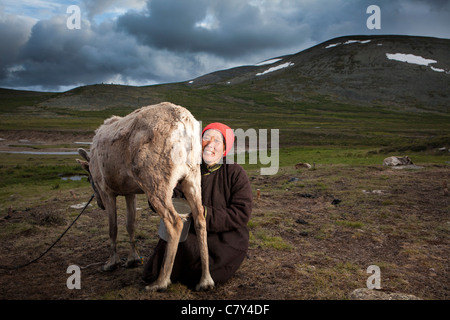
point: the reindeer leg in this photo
(192, 191)
(174, 226)
(110, 204)
(133, 257)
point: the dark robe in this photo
(227, 198)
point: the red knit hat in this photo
(226, 131)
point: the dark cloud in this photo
(176, 40)
(56, 56)
(224, 28)
(13, 35)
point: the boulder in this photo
(397, 161)
(371, 294)
(303, 165)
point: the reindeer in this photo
(149, 151)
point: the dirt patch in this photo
(21, 140)
(304, 244)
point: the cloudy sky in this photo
(144, 42)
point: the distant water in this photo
(73, 178)
(57, 153)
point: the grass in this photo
(12, 101)
(314, 271)
(26, 122)
(42, 146)
(17, 229)
(350, 224)
(32, 174)
(317, 122)
(27, 180)
(263, 240)
(345, 144)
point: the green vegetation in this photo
(324, 257)
(264, 240)
(319, 121)
(317, 132)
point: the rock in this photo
(400, 163)
(374, 191)
(303, 165)
(397, 161)
(80, 205)
(336, 201)
(370, 294)
(301, 221)
(10, 211)
(306, 195)
(409, 166)
(294, 179)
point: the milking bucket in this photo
(182, 207)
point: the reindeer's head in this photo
(85, 166)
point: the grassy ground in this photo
(302, 245)
(313, 232)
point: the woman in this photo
(227, 200)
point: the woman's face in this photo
(212, 146)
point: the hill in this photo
(366, 70)
(377, 91)
(342, 106)
(410, 73)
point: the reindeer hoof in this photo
(133, 263)
(109, 267)
(205, 285)
(159, 287)
(200, 288)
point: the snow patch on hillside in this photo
(409, 58)
(413, 59)
(346, 42)
(278, 67)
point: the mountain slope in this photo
(355, 69)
